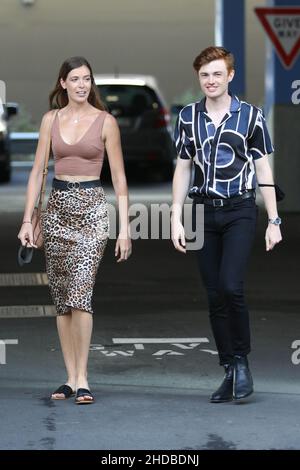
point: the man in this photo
(229, 143)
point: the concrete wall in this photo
(160, 37)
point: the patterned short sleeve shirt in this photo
(224, 156)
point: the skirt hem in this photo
(68, 309)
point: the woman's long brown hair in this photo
(58, 97)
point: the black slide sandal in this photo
(84, 392)
(65, 390)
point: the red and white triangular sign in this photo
(282, 24)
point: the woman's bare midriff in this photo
(73, 179)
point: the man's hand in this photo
(273, 236)
(178, 236)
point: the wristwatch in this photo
(276, 221)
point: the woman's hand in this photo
(178, 235)
(26, 235)
(123, 247)
(273, 236)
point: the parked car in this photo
(144, 120)
(6, 111)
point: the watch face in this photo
(276, 221)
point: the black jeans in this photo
(229, 232)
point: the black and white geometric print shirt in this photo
(223, 157)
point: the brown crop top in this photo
(85, 157)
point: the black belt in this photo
(68, 185)
(223, 202)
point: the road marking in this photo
(158, 340)
(23, 279)
(3, 343)
(185, 345)
(27, 311)
(209, 351)
(167, 352)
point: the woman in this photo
(75, 223)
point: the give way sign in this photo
(282, 25)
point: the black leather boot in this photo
(242, 378)
(225, 391)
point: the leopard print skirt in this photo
(75, 228)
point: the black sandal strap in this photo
(82, 392)
(65, 389)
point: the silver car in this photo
(144, 121)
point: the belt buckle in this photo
(73, 185)
(218, 202)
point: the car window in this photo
(128, 100)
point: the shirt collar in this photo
(234, 106)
